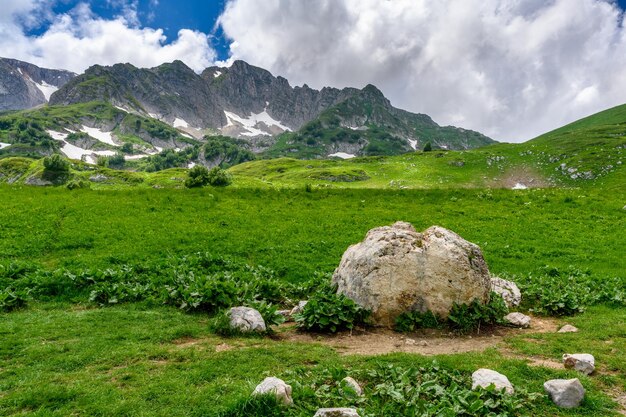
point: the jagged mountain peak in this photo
(24, 85)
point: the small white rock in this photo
(336, 412)
(298, 308)
(246, 319)
(508, 290)
(582, 362)
(568, 328)
(276, 386)
(518, 320)
(353, 385)
(486, 377)
(565, 393)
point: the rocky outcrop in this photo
(395, 269)
(565, 393)
(351, 384)
(486, 377)
(276, 387)
(568, 328)
(24, 85)
(246, 320)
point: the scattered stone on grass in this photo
(298, 308)
(508, 290)
(336, 412)
(486, 377)
(581, 362)
(395, 270)
(568, 328)
(276, 386)
(518, 320)
(565, 393)
(98, 178)
(353, 385)
(246, 319)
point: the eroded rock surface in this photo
(395, 269)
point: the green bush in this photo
(11, 299)
(198, 177)
(465, 318)
(218, 177)
(55, 168)
(328, 311)
(75, 184)
(410, 321)
(428, 147)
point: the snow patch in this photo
(413, 144)
(191, 165)
(75, 152)
(20, 71)
(57, 135)
(519, 186)
(154, 116)
(135, 157)
(251, 123)
(4, 145)
(217, 74)
(342, 155)
(186, 135)
(122, 109)
(104, 137)
(180, 123)
(46, 89)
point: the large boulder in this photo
(582, 362)
(396, 270)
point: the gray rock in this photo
(581, 362)
(336, 412)
(518, 320)
(298, 308)
(486, 377)
(395, 269)
(246, 319)
(38, 182)
(568, 328)
(98, 178)
(276, 386)
(353, 385)
(508, 290)
(565, 393)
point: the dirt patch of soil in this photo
(526, 176)
(429, 342)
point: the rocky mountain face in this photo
(24, 85)
(249, 103)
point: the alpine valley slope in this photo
(249, 103)
(24, 85)
(589, 153)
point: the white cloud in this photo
(79, 39)
(509, 68)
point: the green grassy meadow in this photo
(62, 354)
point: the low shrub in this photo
(327, 311)
(56, 168)
(410, 321)
(463, 318)
(12, 299)
(198, 177)
(219, 177)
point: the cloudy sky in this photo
(511, 69)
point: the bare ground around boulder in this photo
(380, 341)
